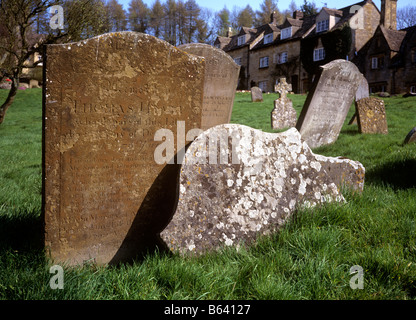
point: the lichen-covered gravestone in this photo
(256, 94)
(371, 116)
(221, 78)
(237, 183)
(328, 103)
(283, 115)
(105, 195)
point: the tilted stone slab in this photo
(106, 197)
(256, 94)
(221, 78)
(237, 183)
(328, 103)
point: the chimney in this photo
(229, 32)
(297, 14)
(388, 14)
(274, 17)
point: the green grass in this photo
(309, 258)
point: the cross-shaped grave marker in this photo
(283, 88)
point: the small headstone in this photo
(328, 103)
(106, 195)
(221, 79)
(237, 183)
(411, 136)
(283, 114)
(256, 94)
(371, 116)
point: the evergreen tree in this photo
(138, 16)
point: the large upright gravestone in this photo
(328, 103)
(106, 196)
(221, 79)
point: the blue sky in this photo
(217, 5)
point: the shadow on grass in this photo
(21, 232)
(397, 174)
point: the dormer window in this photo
(241, 40)
(322, 26)
(268, 38)
(286, 33)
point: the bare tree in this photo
(25, 28)
(406, 17)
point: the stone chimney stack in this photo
(274, 18)
(297, 14)
(229, 32)
(388, 14)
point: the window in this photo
(268, 38)
(374, 63)
(264, 62)
(241, 40)
(377, 62)
(322, 26)
(286, 33)
(283, 57)
(263, 85)
(238, 61)
(319, 54)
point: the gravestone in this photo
(371, 116)
(411, 136)
(328, 103)
(237, 183)
(363, 91)
(221, 79)
(106, 195)
(256, 94)
(283, 114)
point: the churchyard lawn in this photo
(309, 259)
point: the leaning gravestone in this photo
(411, 136)
(363, 91)
(237, 183)
(105, 195)
(283, 115)
(256, 94)
(371, 116)
(328, 103)
(221, 79)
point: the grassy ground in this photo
(309, 259)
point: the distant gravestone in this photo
(221, 79)
(237, 183)
(411, 136)
(256, 94)
(371, 116)
(363, 91)
(328, 103)
(106, 195)
(283, 114)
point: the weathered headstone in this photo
(411, 136)
(221, 79)
(371, 116)
(283, 114)
(237, 183)
(256, 94)
(106, 196)
(363, 91)
(328, 103)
